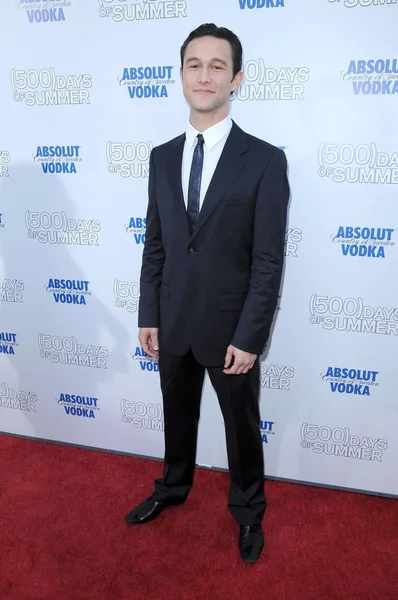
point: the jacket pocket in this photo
(238, 203)
(232, 301)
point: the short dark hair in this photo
(218, 32)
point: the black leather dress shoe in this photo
(251, 542)
(148, 510)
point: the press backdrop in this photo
(87, 89)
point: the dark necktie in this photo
(195, 179)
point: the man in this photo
(210, 277)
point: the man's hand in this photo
(148, 337)
(243, 361)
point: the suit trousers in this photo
(181, 379)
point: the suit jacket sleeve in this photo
(153, 258)
(269, 230)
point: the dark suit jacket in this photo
(218, 286)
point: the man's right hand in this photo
(148, 338)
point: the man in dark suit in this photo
(211, 272)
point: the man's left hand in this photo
(242, 361)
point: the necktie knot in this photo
(200, 139)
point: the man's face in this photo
(207, 74)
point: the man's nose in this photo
(204, 75)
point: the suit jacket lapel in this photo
(174, 166)
(228, 168)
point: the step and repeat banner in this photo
(87, 90)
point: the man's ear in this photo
(237, 81)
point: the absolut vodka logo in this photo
(147, 81)
(146, 362)
(78, 405)
(373, 77)
(69, 291)
(356, 382)
(250, 4)
(267, 429)
(58, 159)
(8, 343)
(364, 242)
(137, 227)
(45, 11)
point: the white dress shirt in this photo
(214, 142)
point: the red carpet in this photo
(63, 535)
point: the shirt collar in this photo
(211, 136)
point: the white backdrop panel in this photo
(322, 83)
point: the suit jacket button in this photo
(192, 250)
